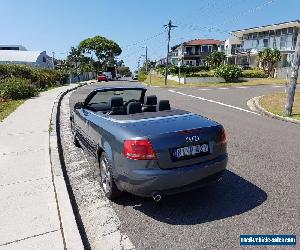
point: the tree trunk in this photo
(293, 80)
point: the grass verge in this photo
(8, 106)
(159, 81)
(275, 103)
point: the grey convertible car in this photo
(144, 146)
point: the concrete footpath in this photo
(30, 213)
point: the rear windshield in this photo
(103, 98)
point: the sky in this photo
(57, 25)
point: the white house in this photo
(245, 44)
(17, 54)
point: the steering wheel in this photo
(129, 101)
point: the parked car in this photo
(102, 78)
(118, 76)
(145, 147)
(135, 77)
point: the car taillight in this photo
(139, 150)
(222, 135)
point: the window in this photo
(278, 32)
(254, 35)
(284, 31)
(188, 50)
(272, 32)
(204, 48)
(44, 59)
(189, 63)
(210, 48)
(290, 30)
(283, 41)
(266, 42)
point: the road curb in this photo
(254, 105)
(72, 237)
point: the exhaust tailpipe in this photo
(156, 197)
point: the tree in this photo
(293, 79)
(73, 59)
(215, 58)
(268, 59)
(125, 71)
(104, 49)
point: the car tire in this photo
(107, 182)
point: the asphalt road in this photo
(260, 192)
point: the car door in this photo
(95, 130)
(81, 120)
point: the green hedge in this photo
(16, 88)
(254, 73)
(186, 69)
(40, 78)
(21, 81)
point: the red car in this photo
(102, 77)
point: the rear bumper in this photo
(146, 182)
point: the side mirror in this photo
(78, 105)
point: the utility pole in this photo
(146, 66)
(293, 79)
(169, 26)
(53, 55)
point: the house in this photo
(194, 52)
(17, 54)
(242, 48)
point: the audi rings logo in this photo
(194, 138)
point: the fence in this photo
(82, 77)
(284, 72)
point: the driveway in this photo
(260, 192)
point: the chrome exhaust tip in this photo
(156, 197)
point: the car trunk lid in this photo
(183, 140)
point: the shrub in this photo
(142, 76)
(16, 88)
(185, 70)
(254, 73)
(41, 78)
(230, 73)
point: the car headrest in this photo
(150, 100)
(164, 105)
(116, 102)
(134, 107)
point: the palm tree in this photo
(215, 58)
(268, 59)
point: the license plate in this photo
(190, 151)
